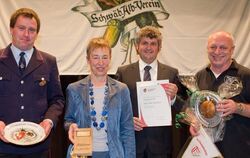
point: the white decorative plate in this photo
(24, 133)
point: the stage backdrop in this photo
(67, 26)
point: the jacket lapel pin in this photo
(42, 82)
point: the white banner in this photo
(68, 25)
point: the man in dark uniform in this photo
(30, 88)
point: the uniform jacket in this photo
(158, 139)
(120, 127)
(34, 96)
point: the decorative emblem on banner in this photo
(121, 18)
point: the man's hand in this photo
(47, 126)
(193, 131)
(138, 124)
(2, 126)
(227, 107)
(170, 89)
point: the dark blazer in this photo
(34, 96)
(158, 139)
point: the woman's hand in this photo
(71, 133)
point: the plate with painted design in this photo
(24, 133)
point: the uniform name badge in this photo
(83, 143)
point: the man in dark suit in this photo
(151, 142)
(30, 88)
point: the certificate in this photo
(201, 146)
(153, 103)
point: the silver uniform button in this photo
(22, 107)
(1, 78)
(21, 94)
(22, 120)
(22, 82)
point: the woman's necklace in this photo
(104, 113)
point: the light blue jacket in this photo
(120, 127)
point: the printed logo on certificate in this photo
(153, 103)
